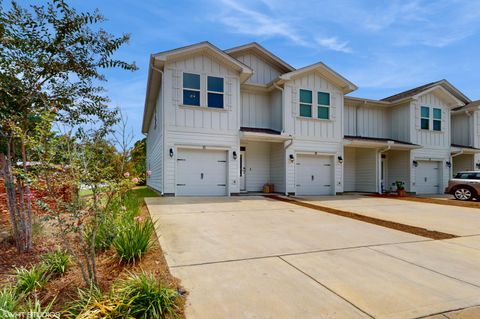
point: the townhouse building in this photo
(222, 122)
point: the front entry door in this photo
(242, 171)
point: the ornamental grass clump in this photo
(134, 239)
(8, 302)
(30, 279)
(144, 296)
(56, 262)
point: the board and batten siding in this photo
(201, 118)
(257, 165)
(365, 120)
(430, 138)
(398, 169)
(155, 147)
(313, 128)
(400, 122)
(256, 109)
(277, 166)
(462, 129)
(276, 115)
(263, 72)
(349, 169)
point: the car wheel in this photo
(463, 193)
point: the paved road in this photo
(252, 257)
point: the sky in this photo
(384, 47)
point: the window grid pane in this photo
(215, 100)
(437, 114)
(215, 84)
(191, 97)
(306, 96)
(437, 125)
(323, 112)
(425, 111)
(191, 81)
(323, 98)
(425, 124)
(305, 110)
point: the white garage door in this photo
(201, 172)
(314, 175)
(427, 178)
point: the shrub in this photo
(8, 302)
(133, 240)
(85, 298)
(56, 262)
(144, 296)
(34, 309)
(30, 279)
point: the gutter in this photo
(163, 124)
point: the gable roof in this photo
(158, 60)
(262, 52)
(420, 89)
(470, 106)
(323, 69)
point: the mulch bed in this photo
(448, 202)
(371, 220)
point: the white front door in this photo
(314, 175)
(243, 170)
(427, 179)
(201, 172)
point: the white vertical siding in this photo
(256, 109)
(462, 129)
(464, 162)
(313, 128)
(430, 138)
(349, 169)
(350, 120)
(276, 113)
(155, 147)
(257, 165)
(263, 72)
(398, 169)
(200, 118)
(372, 122)
(277, 167)
(476, 129)
(400, 122)
(366, 170)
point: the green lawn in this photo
(143, 191)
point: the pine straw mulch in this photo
(447, 201)
(64, 288)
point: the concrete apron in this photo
(257, 258)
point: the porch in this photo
(463, 159)
(374, 165)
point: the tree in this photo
(51, 61)
(139, 158)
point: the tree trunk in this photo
(28, 222)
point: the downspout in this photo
(163, 124)
(380, 152)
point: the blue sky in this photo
(383, 47)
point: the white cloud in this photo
(334, 44)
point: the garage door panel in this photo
(314, 175)
(201, 173)
(427, 177)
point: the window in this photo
(191, 89)
(215, 92)
(467, 175)
(323, 109)
(437, 119)
(425, 118)
(306, 103)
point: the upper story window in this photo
(215, 92)
(191, 89)
(437, 119)
(425, 118)
(323, 109)
(305, 103)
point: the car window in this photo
(467, 176)
(461, 176)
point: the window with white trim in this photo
(215, 92)
(437, 119)
(323, 107)
(425, 118)
(306, 102)
(191, 89)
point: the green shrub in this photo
(56, 262)
(144, 296)
(85, 298)
(133, 240)
(8, 302)
(30, 279)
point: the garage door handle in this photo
(180, 184)
(201, 175)
(313, 177)
(425, 179)
(221, 184)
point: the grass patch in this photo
(56, 262)
(143, 191)
(133, 240)
(30, 279)
(85, 192)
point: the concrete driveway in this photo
(460, 221)
(252, 257)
